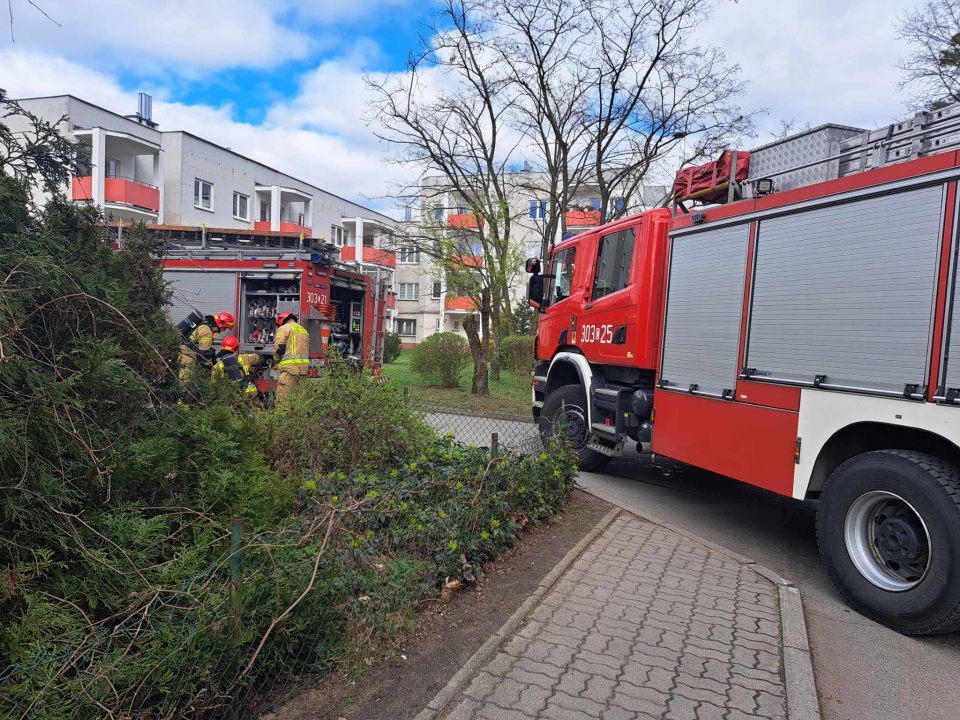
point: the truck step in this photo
(608, 431)
(614, 451)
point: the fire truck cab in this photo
(800, 333)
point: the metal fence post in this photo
(236, 573)
(494, 445)
(406, 396)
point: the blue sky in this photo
(282, 80)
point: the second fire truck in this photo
(256, 281)
(801, 333)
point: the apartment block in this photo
(426, 302)
(182, 184)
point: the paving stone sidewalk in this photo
(645, 624)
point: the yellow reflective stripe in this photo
(296, 360)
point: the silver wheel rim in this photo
(887, 541)
(571, 421)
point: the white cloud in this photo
(352, 165)
(191, 37)
(815, 61)
(812, 61)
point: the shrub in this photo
(391, 347)
(516, 353)
(342, 421)
(442, 357)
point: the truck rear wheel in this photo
(888, 527)
(564, 412)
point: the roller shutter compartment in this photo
(206, 292)
(843, 295)
(704, 302)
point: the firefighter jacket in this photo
(292, 345)
(199, 346)
(245, 362)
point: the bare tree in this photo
(448, 115)
(540, 41)
(932, 71)
(597, 93)
(656, 96)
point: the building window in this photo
(538, 209)
(437, 291)
(438, 325)
(112, 168)
(202, 194)
(619, 204)
(264, 211)
(336, 235)
(408, 291)
(438, 212)
(613, 263)
(241, 206)
(409, 256)
(456, 325)
(406, 328)
(595, 204)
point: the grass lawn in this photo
(510, 395)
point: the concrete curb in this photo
(487, 650)
(802, 700)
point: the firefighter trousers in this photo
(285, 383)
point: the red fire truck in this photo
(258, 278)
(803, 337)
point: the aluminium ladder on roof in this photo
(926, 133)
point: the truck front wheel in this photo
(888, 527)
(564, 412)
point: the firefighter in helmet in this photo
(237, 366)
(197, 347)
(291, 352)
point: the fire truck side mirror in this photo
(535, 291)
(533, 266)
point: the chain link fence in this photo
(512, 433)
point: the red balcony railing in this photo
(467, 261)
(460, 303)
(583, 218)
(285, 227)
(348, 253)
(380, 257)
(122, 191)
(464, 221)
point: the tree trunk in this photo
(471, 327)
(489, 344)
(495, 325)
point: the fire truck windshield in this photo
(561, 269)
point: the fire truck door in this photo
(608, 323)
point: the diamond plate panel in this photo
(817, 144)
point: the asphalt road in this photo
(863, 670)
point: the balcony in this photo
(467, 261)
(380, 257)
(119, 191)
(285, 227)
(459, 304)
(464, 221)
(348, 253)
(583, 218)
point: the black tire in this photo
(869, 512)
(565, 410)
